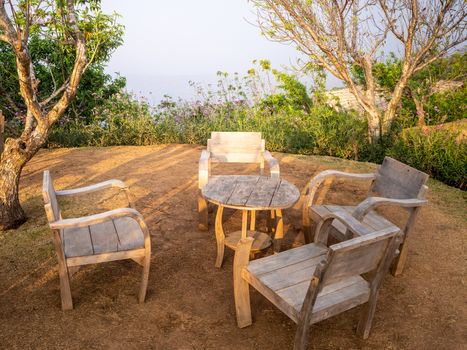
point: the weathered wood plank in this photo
(242, 190)
(77, 242)
(372, 219)
(104, 257)
(291, 274)
(263, 192)
(398, 180)
(129, 234)
(261, 240)
(290, 257)
(269, 294)
(357, 256)
(234, 156)
(339, 301)
(104, 237)
(285, 196)
(219, 189)
(235, 139)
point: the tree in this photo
(51, 66)
(341, 34)
(441, 79)
(80, 33)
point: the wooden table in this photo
(249, 194)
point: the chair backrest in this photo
(399, 181)
(50, 199)
(359, 255)
(236, 147)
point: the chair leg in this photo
(144, 278)
(366, 318)
(65, 290)
(241, 287)
(304, 321)
(306, 228)
(203, 213)
(220, 237)
(399, 261)
(302, 337)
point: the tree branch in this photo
(55, 93)
(78, 68)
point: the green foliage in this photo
(446, 107)
(437, 151)
(439, 107)
(386, 73)
(123, 120)
(53, 57)
(294, 95)
(286, 124)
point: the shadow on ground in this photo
(190, 302)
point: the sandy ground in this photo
(190, 303)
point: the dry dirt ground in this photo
(190, 303)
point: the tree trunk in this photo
(420, 111)
(374, 126)
(16, 154)
(11, 163)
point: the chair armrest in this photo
(352, 224)
(317, 180)
(96, 218)
(98, 187)
(204, 168)
(273, 164)
(373, 202)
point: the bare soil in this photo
(190, 303)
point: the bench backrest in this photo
(236, 147)
(359, 255)
(50, 199)
(398, 180)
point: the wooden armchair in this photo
(231, 147)
(394, 184)
(113, 235)
(313, 282)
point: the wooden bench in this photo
(394, 184)
(231, 147)
(113, 235)
(313, 282)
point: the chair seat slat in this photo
(104, 237)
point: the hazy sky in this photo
(168, 43)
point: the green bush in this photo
(123, 120)
(289, 119)
(437, 151)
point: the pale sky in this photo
(168, 43)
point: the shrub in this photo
(438, 151)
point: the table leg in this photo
(279, 234)
(245, 226)
(253, 220)
(271, 219)
(244, 223)
(220, 236)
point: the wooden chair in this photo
(394, 184)
(312, 283)
(231, 147)
(113, 235)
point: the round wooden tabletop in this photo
(250, 192)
